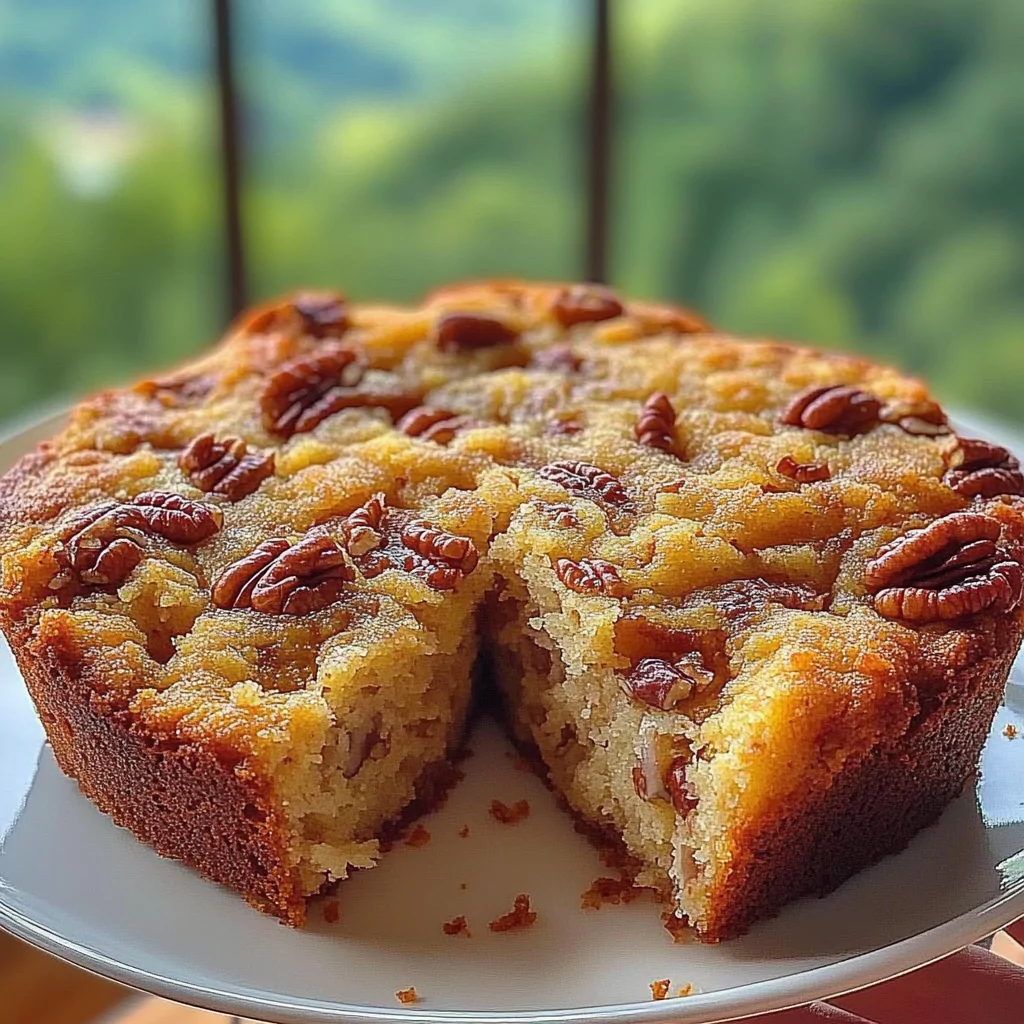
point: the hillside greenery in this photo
(847, 173)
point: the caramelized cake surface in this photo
(753, 605)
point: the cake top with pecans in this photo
(332, 474)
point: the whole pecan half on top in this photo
(980, 469)
(950, 568)
(656, 425)
(586, 303)
(590, 576)
(281, 578)
(586, 481)
(320, 314)
(466, 332)
(103, 544)
(441, 559)
(437, 425)
(307, 389)
(225, 467)
(837, 409)
(922, 417)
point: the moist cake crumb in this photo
(520, 916)
(457, 926)
(510, 815)
(407, 995)
(419, 836)
(659, 989)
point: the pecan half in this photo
(950, 568)
(444, 558)
(309, 388)
(585, 480)
(361, 529)
(225, 467)
(664, 685)
(103, 544)
(586, 303)
(437, 425)
(656, 426)
(590, 576)
(466, 332)
(281, 578)
(923, 418)
(980, 469)
(558, 358)
(838, 409)
(803, 472)
(320, 314)
(678, 789)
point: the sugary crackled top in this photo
(334, 476)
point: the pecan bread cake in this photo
(752, 605)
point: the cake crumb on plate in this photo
(659, 989)
(457, 926)
(464, 832)
(419, 836)
(520, 916)
(510, 815)
(1010, 732)
(407, 995)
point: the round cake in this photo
(752, 606)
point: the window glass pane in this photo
(397, 145)
(109, 209)
(848, 173)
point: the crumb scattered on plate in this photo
(407, 995)
(419, 836)
(659, 989)
(462, 885)
(457, 926)
(510, 815)
(1010, 732)
(520, 916)
(677, 927)
(685, 990)
(331, 911)
(610, 890)
(464, 832)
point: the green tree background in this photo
(849, 173)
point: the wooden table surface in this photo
(39, 989)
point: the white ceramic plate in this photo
(76, 885)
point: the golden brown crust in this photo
(874, 806)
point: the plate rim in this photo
(856, 971)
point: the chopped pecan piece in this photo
(280, 578)
(562, 515)
(585, 480)
(361, 529)
(839, 409)
(466, 332)
(437, 425)
(656, 426)
(980, 469)
(586, 303)
(803, 472)
(950, 568)
(666, 685)
(225, 467)
(677, 786)
(590, 576)
(444, 558)
(309, 388)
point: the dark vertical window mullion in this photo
(598, 143)
(231, 157)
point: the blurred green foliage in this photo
(848, 173)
